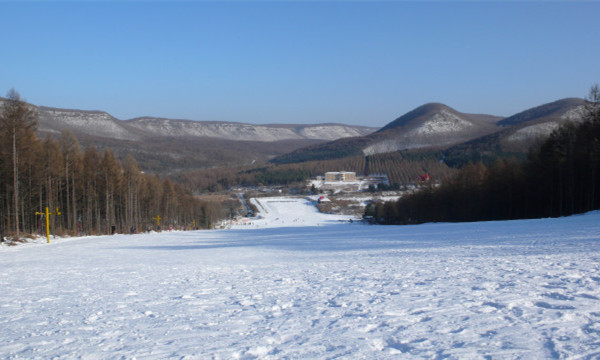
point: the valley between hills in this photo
(211, 155)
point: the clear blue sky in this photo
(297, 62)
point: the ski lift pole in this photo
(48, 213)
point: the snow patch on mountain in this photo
(533, 132)
(242, 132)
(575, 114)
(442, 128)
(99, 123)
(384, 146)
(230, 131)
(89, 122)
(407, 142)
(544, 129)
(329, 132)
(442, 122)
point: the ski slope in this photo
(321, 289)
(292, 212)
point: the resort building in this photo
(343, 176)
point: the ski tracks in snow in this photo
(501, 290)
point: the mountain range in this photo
(167, 145)
(437, 126)
(102, 124)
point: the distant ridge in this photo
(553, 111)
(518, 132)
(436, 126)
(425, 112)
(245, 132)
(166, 145)
(429, 125)
(100, 123)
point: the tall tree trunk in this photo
(15, 182)
(68, 202)
(73, 206)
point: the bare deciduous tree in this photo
(18, 122)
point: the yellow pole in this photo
(47, 225)
(194, 225)
(157, 218)
(48, 213)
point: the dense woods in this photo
(401, 169)
(93, 191)
(560, 177)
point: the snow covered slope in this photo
(502, 290)
(171, 145)
(246, 132)
(523, 129)
(102, 124)
(560, 110)
(291, 212)
(96, 123)
(540, 121)
(430, 125)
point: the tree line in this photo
(401, 169)
(95, 193)
(559, 177)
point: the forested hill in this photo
(560, 177)
(170, 145)
(437, 126)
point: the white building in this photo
(343, 176)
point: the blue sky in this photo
(360, 62)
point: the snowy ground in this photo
(292, 212)
(500, 290)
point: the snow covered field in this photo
(292, 212)
(312, 289)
